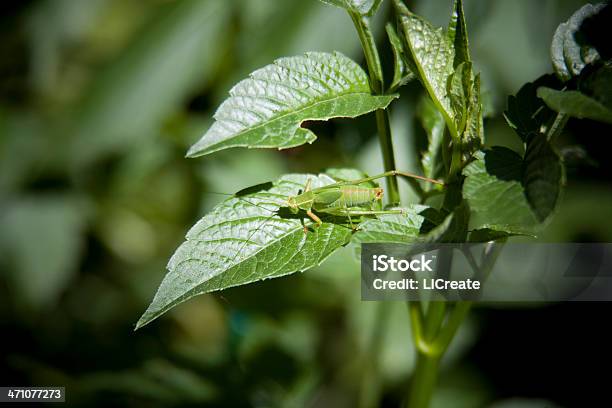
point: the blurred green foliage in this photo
(100, 100)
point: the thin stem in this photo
(557, 127)
(416, 322)
(456, 317)
(370, 390)
(362, 25)
(436, 312)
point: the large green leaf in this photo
(363, 7)
(266, 110)
(576, 104)
(433, 55)
(569, 51)
(443, 64)
(245, 239)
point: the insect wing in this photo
(327, 196)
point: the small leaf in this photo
(569, 51)
(576, 104)
(433, 56)
(363, 7)
(460, 91)
(401, 73)
(457, 34)
(527, 114)
(486, 235)
(432, 121)
(542, 177)
(266, 110)
(473, 137)
(243, 240)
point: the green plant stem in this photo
(362, 25)
(426, 374)
(433, 336)
(370, 388)
(426, 330)
(557, 127)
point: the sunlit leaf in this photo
(433, 56)
(266, 110)
(246, 239)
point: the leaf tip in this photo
(143, 321)
(197, 150)
(147, 317)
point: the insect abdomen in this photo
(357, 196)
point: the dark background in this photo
(99, 101)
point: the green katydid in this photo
(345, 198)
